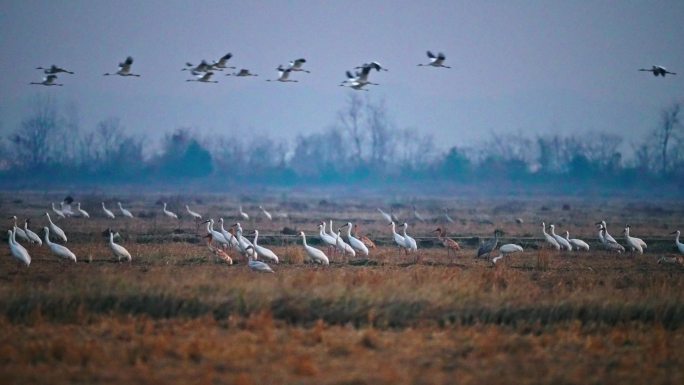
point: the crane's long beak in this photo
(207, 221)
(672, 233)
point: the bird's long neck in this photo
(543, 228)
(47, 236)
(49, 219)
(9, 237)
(111, 238)
(256, 236)
(349, 231)
(304, 239)
(404, 231)
(677, 238)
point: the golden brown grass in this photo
(176, 316)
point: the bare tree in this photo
(381, 139)
(32, 142)
(665, 133)
(351, 120)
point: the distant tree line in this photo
(364, 146)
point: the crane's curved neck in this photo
(543, 228)
(10, 234)
(394, 229)
(349, 226)
(48, 217)
(404, 230)
(47, 236)
(256, 236)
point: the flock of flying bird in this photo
(204, 71)
(221, 240)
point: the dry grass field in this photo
(176, 316)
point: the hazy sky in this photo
(517, 66)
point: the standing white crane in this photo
(549, 239)
(446, 216)
(193, 214)
(242, 214)
(680, 246)
(203, 78)
(57, 211)
(387, 217)
(244, 245)
(658, 71)
(124, 212)
(283, 75)
(410, 242)
(54, 70)
(232, 241)
(506, 250)
(262, 251)
(80, 211)
(435, 61)
(343, 246)
(561, 241)
(340, 244)
(55, 229)
(354, 242)
(398, 239)
(20, 232)
(18, 251)
(253, 264)
(578, 244)
(266, 214)
(417, 215)
(314, 254)
(242, 239)
(124, 68)
(634, 242)
(48, 81)
(168, 213)
(118, 250)
(215, 235)
(603, 235)
(326, 238)
(31, 235)
(296, 65)
(108, 212)
(608, 244)
(58, 250)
